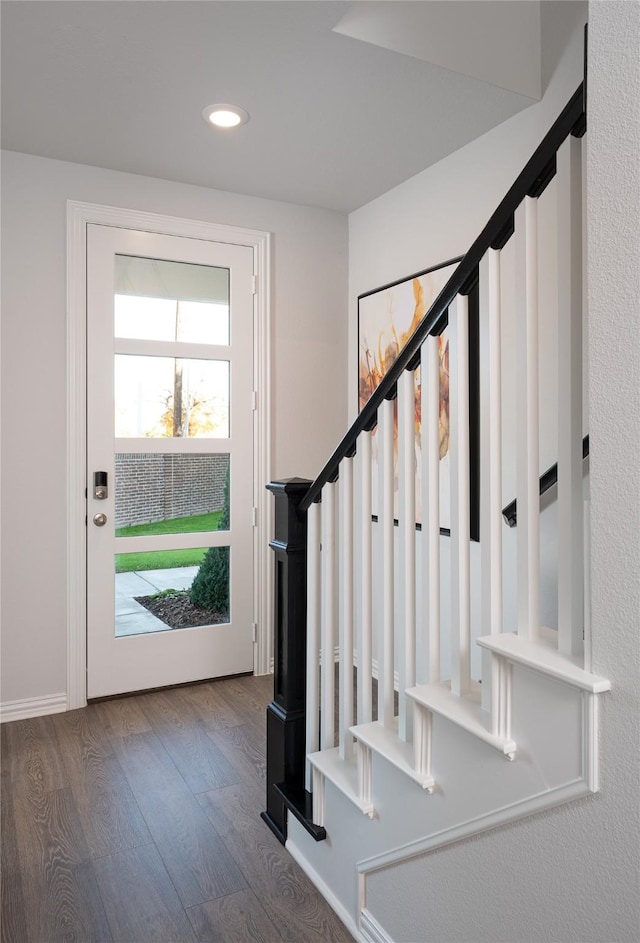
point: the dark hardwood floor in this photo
(136, 820)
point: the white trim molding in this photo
(325, 890)
(79, 215)
(32, 707)
(370, 929)
(475, 826)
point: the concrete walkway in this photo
(131, 617)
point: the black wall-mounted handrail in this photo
(537, 173)
(547, 481)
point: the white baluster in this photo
(587, 585)
(319, 796)
(460, 509)
(345, 739)
(313, 636)
(386, 524)
(527, 436)
(570, 510)
(422, 741)
(491, 464)
(329, 596)
(365, 613)
(428, 658)
(364, 776)
(407, 527)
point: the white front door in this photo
(170, 440)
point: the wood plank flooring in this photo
(137, 821)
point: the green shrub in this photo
(210, 588)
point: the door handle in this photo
(100, 490)
(99, 520)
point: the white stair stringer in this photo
(554, 722)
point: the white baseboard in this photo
(326, 892)
(32, 707)
(372, 932)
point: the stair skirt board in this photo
(556, 729)
(324, 889)
(32, 707)
(370, 929)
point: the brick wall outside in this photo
(152, 487)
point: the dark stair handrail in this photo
(538, 172)
(547, 481)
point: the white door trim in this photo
(79, 215)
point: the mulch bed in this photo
(177, 612)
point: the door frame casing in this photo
(79, 215)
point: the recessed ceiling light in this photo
(225, 116)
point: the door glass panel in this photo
(165, 397)
(171, 301)
(172, 589)
(171, 494)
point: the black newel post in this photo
(286, 712)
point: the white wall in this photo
(571, 874)
(309, 345)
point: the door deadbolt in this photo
(99, 520)
(100, 490)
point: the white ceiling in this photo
(335, 121)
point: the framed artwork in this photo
(387, 317)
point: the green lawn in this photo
(165, 559)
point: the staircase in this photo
(455, 719)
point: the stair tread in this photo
(542, 655)
(343, 774)
(387, 742)
(464, 711)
